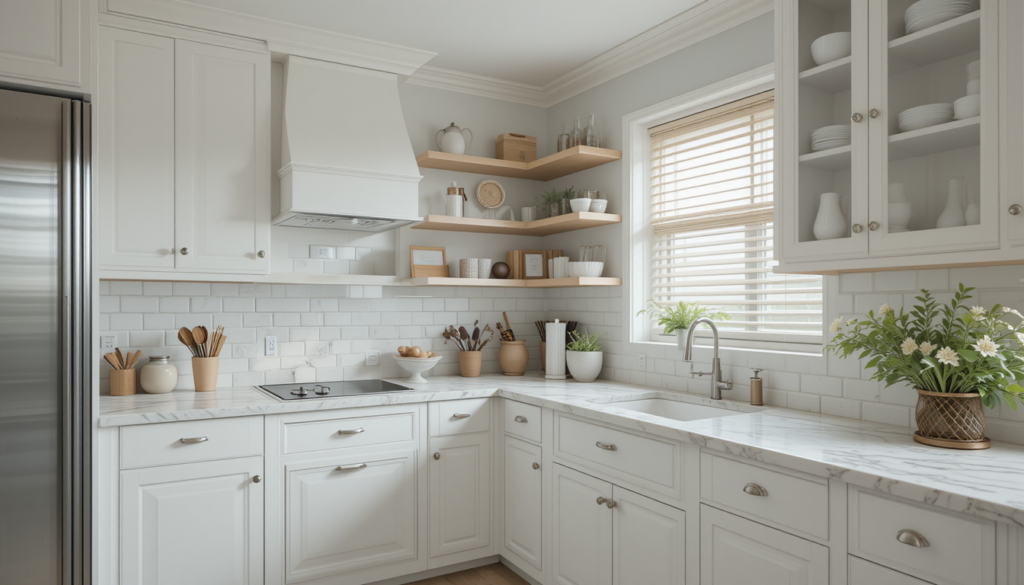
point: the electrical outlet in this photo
(322, 252)
(271, 345)
(107, 342)
(373, 357)
(642, 361)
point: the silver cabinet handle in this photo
(256, 479)
(460, 416)
(755, 490)
(521, 419)
(912, 538)
(611, 447)
(874, 225)
(193, 440)
(1015, 209)
(857, 228)
(355, 467)
(536, 465)
(857, 117)
(261, 254)
(351, 431)
(873, 113)
(184, 251)
(437, 456)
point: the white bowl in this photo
(585, 269)
(967, 107)
(416, 367)
(974, 70)
(599, 205)
(581, 204)
(974, 87)
(831, 47)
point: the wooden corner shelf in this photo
(541, 227)
(509, 283)
(567, 162)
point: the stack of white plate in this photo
(830, 137)
(926, 13)
(924, 116)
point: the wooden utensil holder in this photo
(204, 371)
(122, 382)
(469, 363)
(513, 357)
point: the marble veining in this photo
(862, 453)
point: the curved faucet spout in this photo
(688, 352)
(717, 385)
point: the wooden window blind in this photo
(711, 214)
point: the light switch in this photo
(322, 252)
(271, 345)
(107, 342)
(373, 357)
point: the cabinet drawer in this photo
(865, 573)
(456, 417)
(796, 502)
(522, 420)
(190, 441)
(952, 548)
(622, 453)
(351, 431)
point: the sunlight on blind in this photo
(711, 211)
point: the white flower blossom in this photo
(1020, 337)
(834, 327)
(947, 356)
(986, 347)
(909, 346)
(978, 311)
(927, 348)
(884, 309)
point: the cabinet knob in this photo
(1015, 209)
(857, 117)
(184, 251)
(611, 503)
(256, 479)
(755, 490)
(874, 226)
(437, 456)
(873, 113)
(857, 228)
(601, 500)
(912, 538)
(262, 254)
(520, 418)
(536, 465)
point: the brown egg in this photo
(500, 270)
(415, 352)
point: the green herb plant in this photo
(585, 342)
(679, 317)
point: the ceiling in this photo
(526, 41)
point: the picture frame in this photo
(534, 264)
(427, 261)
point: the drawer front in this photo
(623, 453)
(958, 549)
(191, 441)
(796, 502)
(865, 573)
(342, 433)
(457, 417)
(522, 420)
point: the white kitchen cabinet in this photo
(736, 550)
(460, 493)
(45, 43)
(581, 529)
(524, 510)
(648, 541)
(865, 573)
(197, 523)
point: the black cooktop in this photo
(311, 390)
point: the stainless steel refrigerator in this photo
(45, 315)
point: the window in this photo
(711, 212)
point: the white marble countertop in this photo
(862, 453)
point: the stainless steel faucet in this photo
(717, 385)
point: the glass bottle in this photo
(564, 139)
(590, 136)
(577, 134)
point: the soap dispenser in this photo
(756, 390)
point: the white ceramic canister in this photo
(159, 376)
(483, 268)
(468, 267)
(453, 205)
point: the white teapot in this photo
(452, 139)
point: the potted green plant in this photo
(583, 356)
(567, 196)
(678, 318)
(958, 358)
(551, 202)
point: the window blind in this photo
(711, 214)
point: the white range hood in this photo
(347, 162)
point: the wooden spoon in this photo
(220, 344)
(112, 360)
(120, 357)
(185, 336)
(135, 359)
(200, 338)
(207, 339)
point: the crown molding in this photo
(481, 85)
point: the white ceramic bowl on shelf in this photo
(831, 47)
(967, 107)
(585, 269)
(581, 204)
(599, 205)
(416, 367)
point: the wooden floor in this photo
(496, 574)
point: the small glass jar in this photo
(159, 376)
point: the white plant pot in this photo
(585, 366)
(681, 338)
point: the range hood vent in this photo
(347, 161)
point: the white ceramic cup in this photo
(468, 267)
(529, 213)
(483, 268)
(974, 87)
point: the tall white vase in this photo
(899, 208)
(830, 223)
(953, 214)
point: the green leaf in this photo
(968, 355)
(1015, 388)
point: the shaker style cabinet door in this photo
(197, 523)
(41, 41)
(864, 573)
(648, 542)
(222, 153)
(460, 493)
(524, 509)
(581, 529)
(135, 156)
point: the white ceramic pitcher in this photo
(453, 140)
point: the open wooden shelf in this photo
(509, 283)
(934, 139)
(541, 227)
(952, 38)
(567, 162)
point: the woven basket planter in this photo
(954, 421)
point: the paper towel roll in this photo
(555, 358)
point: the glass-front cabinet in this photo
(888, 146)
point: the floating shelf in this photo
(567, 162)
(541, 227)
(935, 139)
(495, 282)
(833, 159)
(832, 77)
(955, 37)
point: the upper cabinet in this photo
(889, 141)
(183, 157)
(46, 43)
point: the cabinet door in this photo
(222, 146)
(736, 550)
(135, 154)
(198, 523)
(41, 40)
(582, 529)
(864, 573)
(460, 493)
(1011, 140)
(648, 541)
(348, 513)
(523, 501)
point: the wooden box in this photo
(516, 147)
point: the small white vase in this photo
(897, 193)
(953, 214)
(830, 223)
(159, 376)
(585, 366)
(899, 216)
(681, 338)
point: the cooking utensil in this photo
(540, 329)
(185, 337)
(199, 337)
(112, 360)
(120, 357)
(134, 359)
(508, 328)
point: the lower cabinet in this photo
(460, 493)
(524, 503)
(736, 550)
(864, 573)
(604, 534)
(197, 523)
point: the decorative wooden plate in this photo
(490, 194)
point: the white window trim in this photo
(638, 235)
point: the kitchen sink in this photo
(675, 409)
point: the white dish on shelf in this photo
(829, 137)
(416, 367)
(974, 87)
(967, 107)
(599, 205)
(829, 146)
(928, 13)
(974, 70)
(581, 204)
(924, 116)
(585, 269)
(831, 47)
